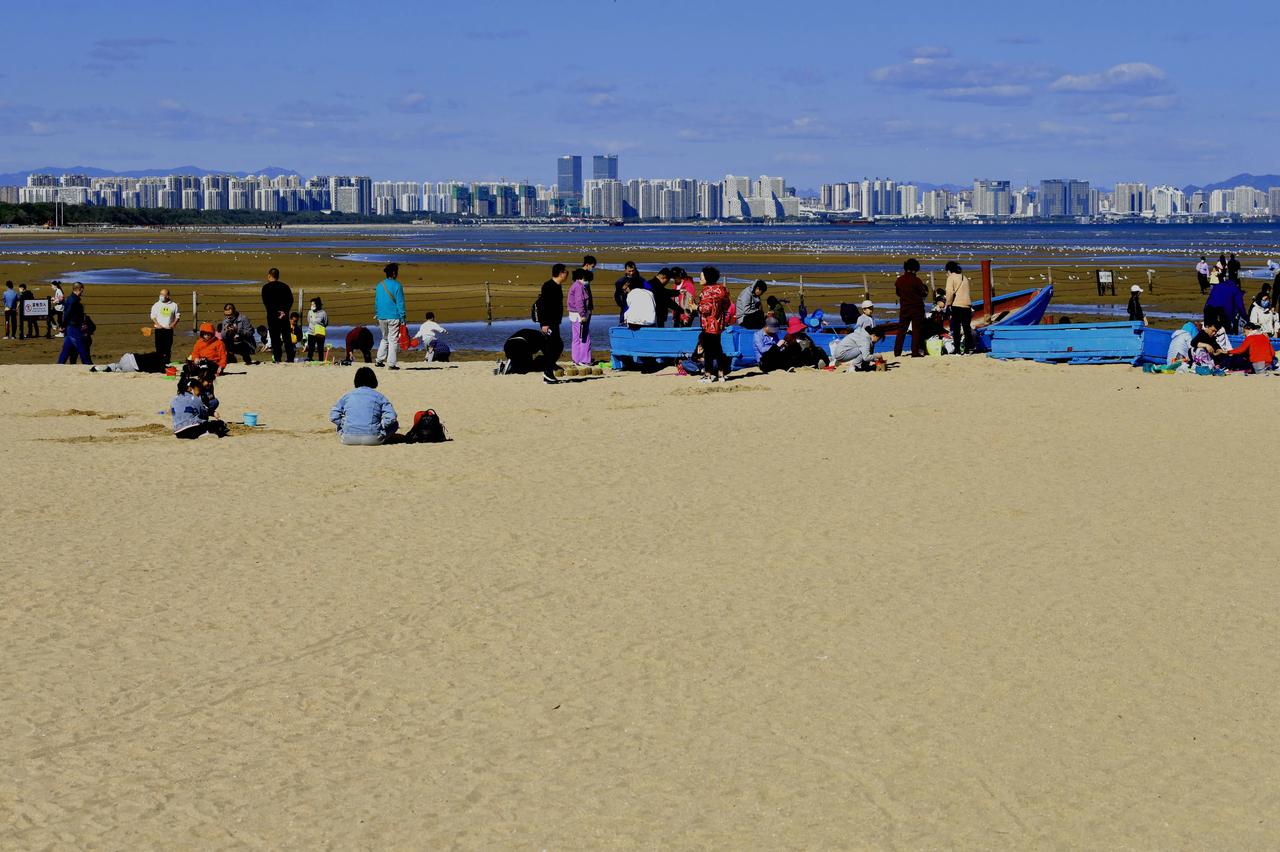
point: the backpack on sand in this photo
(426, 429)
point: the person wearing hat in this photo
(209, 348)
(800, 349)
(767, 342)
(865, 310)
(1135, 306)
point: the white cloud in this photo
(1127, 77)
(936, 73)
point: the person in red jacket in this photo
(911, 295)
(1257, 349)
(209, 348)
(713, 308)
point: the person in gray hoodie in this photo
(856, 348)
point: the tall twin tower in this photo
(569, 172)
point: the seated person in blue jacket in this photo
(192, 416)
(363, 416)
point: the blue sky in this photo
(816, 91)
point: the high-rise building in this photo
(1167, 201)
(992, 198)
(1064, 198)
(1273, 201)
(604, 167)
(908, 200)
(1130, 199)
(709, 200)
(734, 192)
(569, 176)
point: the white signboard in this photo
(36, 307)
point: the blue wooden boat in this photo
(1070, 343)
(657, 346)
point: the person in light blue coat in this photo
(363, 416)
(388, 307)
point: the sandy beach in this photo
(962, 604)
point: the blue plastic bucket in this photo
(251, 418)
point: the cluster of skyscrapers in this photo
(606, 196)
(1052, 199)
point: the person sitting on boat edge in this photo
(800, 348)
(857, 349)
(1180, 344)
(1255, 350)
(1208, 345)
(363, 416)
(1263, 315)
(750, 312)
(770, 354)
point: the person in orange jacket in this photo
(1257, 345)
(209, 348)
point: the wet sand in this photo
(962, 604)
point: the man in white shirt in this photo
(164, 318)
(428, 332)
(641, 308)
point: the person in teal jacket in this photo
(388, 309)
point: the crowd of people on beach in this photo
(936, 322)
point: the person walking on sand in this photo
(164, 319)
(363, 416)
(277, 299)
(581, 307)
(713, 308)
(960, 303)
(911, 295)
(389, 311)
(1202, 275)
(10, 311)
(78, 336)
(548, 311)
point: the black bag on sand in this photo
(426, 429)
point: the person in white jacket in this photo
(1263, 315)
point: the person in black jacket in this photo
(548, 311)
(663, 298)
(630, 275)
(1135, 306)
(525, 352)
(277, 298)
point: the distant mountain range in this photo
(1262, 182)
(20, 178)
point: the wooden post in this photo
(987, 290)
(300, 292)
(488, 304)
(1151, 280)
(195, 311)
(931, 287)
(865, 291)
(801, 308)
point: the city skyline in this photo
(1116, 93)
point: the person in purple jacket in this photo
(581, 306)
